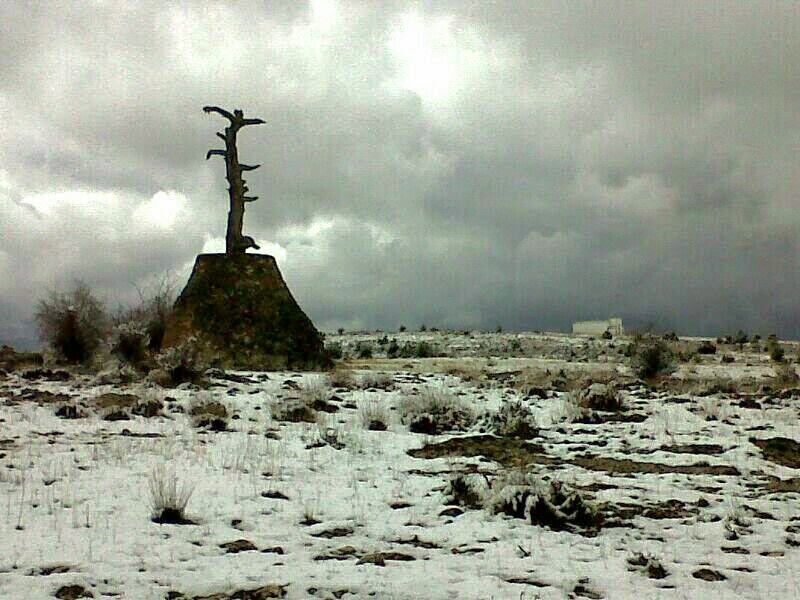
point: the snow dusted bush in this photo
(436, 410)
(514, 418)
(541, 502)
(572, 409)
(468, 490)
(294, 410)
(129, 341)
(181, 363)
(600, 396)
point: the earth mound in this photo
(243, 316)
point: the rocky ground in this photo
(476, 466)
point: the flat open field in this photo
(497, 470)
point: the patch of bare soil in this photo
(621, 513)
(261, 593)
(779, 450)
(709, 449)
(627, 466)
(776, 486)
(510, 452)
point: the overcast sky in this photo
(460, 164)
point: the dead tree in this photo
(235, 242)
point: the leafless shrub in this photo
(129, 342)
(785, 375)
(315, 390)
(599, 396)
(72, 323)
(152, 311)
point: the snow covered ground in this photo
(696, 501)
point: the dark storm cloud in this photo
(459, 164)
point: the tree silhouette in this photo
(235, 242)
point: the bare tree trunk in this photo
(235, 242)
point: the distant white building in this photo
(613, 326)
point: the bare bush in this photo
(600, 396)
(316, 393)
(785, 375)
(376, 380)
(293, 410)
(73, 323)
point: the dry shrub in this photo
(652, 357)
(435, 410)
(467, 490)
(514, 418)
(466, 372)
(374, 414)
(315, 391)
(342, 378)
(129, 342)
(376, 380)
(599, 396)
(73, 324)
(168, 499)
(209, 413)
(293, 410)
(785, 375)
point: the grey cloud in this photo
(564, 161)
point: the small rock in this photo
(73, 592)
(708, 575)
(379, 558)
(237, 546)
